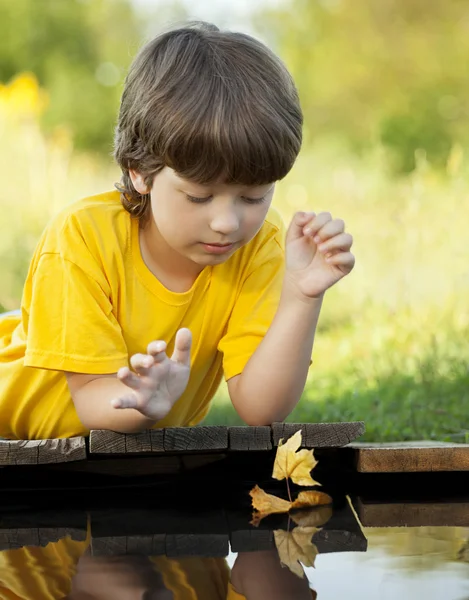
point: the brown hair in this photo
(209, 104)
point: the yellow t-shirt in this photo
(89, 303)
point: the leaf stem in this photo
(288, 490)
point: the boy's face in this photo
(191, 219)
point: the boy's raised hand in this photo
(317, 253)
(158, 381)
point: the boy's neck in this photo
(177, 273)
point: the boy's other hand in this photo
(317, 253)
(158, 381)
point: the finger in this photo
(157, 350)
(129, 401)
(341, 242)
(330, 229)
(342, 259)
(316, 224)
(182, 347)
(297, 224)
(130, 379)
(141, 363)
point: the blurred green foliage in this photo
(79, 50)
(386, 71)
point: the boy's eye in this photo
(254, 200)
(197, 200)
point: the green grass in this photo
(400, 397)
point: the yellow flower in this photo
(22, 97)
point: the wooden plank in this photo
(412, 514)
(38, 528)
(141, 545)
(103, 441)
(32, 452)
(206, 545)
(11, 539)
(317, 435)
(109, 546)
(193, 439)
(250, 438)
(342, 533)
(252, 540)
(411, 457)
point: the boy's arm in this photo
(273, 379)
(92, 395)
(317, 256)
(129, 402)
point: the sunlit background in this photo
(384, 87)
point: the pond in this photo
(106, 554)
(181, 526)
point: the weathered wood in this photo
(412, 514)
(406, 457)
(250, 438)
(342, 533)
(193, 439)
(206, 545)
(147, 545)
(103, 441)
(11, 539)
(252, 540)
(111, 442)
(28, 452)
(109, 546)
(317, 435)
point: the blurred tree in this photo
(79, 50)
(389, 71)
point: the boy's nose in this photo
(225, 223)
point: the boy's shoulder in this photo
(91, 220)
(89, 207)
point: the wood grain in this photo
(32, 452)
(411, 457)
(150, 441)
(317, 435)
(412, 514)
(252, 540)
(206, 545)
(195, 439)
(11, 539)
(250, 438)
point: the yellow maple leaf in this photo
(266, 504)
(316, 516)
(295, 547)
(292, 464)
(311, 498)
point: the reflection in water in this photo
(384, 573)
(65, 570)
(406, 563)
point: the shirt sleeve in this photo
(255, 307)
(69, 320)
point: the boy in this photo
(186, 272)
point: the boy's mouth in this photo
(217, 248)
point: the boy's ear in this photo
(138, 182)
